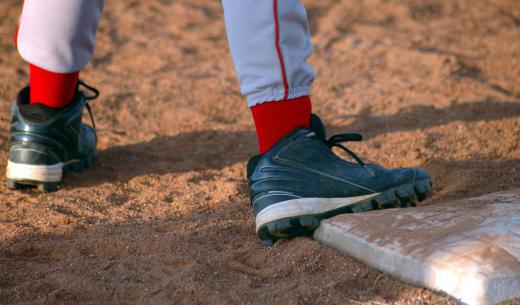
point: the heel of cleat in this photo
(17, 181)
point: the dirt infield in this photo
(163, 216)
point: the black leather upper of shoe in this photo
(303, 165)
(43, 136)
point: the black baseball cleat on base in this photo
(44, 142)
(300, 181)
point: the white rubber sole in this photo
(40, 173)
(305, 206)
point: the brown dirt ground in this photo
(163, 216)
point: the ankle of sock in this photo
(274, 120)
(54, 90)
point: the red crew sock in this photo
(54, 90)
(273, 120)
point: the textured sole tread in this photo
(27, 184)
(402, 196)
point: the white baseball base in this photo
(469, 249)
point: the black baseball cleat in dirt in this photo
(44, 142)
(300, 181)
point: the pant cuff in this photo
(275, 94)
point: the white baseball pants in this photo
(269, 41)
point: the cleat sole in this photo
(397, 197)
(21, 185)
(41, 177)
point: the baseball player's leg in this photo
(297, 180)
(270, 44)
(56, 38)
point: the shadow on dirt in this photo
(200, 150)
(215, 149)
(422, 117)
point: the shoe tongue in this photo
(316, 125)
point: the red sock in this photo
(54, 90)
(273, 120)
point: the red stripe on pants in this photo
(278, 50)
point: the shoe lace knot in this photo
(336, 140)
(95, 94)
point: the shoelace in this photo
(335, 140)
(89, 98)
